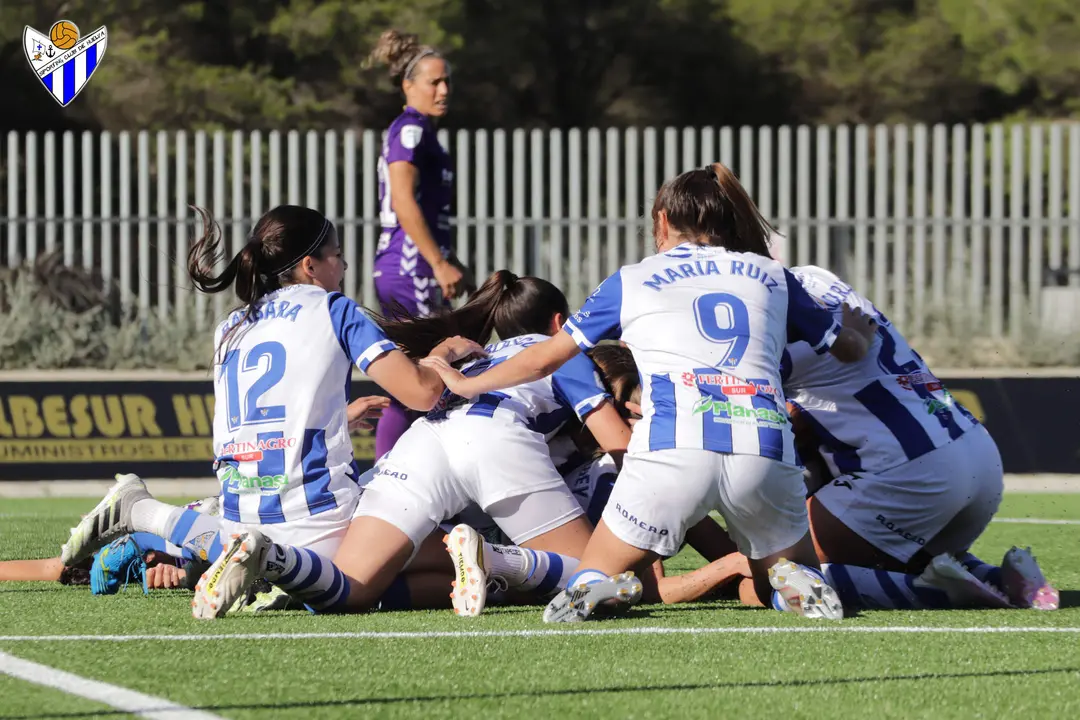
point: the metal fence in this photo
(963, 222)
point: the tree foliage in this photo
(558, 63)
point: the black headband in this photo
(311, 249)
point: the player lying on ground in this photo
(282, 365)
(142, 558)
(711, 304)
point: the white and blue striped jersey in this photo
(542, 406)
(707, 328)
(281, 389)
(875, 414)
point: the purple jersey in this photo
(411, 138)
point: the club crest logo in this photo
(64, 59)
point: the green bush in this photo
(53, 317)
(56, 317)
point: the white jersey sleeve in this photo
(360, 338)
(707, 328)
(875, 414)
(281, 439)
(544, 405)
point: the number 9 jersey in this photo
(281, 389)
(707, 328)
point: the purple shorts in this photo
(419, 296)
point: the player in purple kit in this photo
(416, 272)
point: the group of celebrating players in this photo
(530, 454)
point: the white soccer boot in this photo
(803, 591)
(470, 584)
(1024, 582)
(110, 519)
(577, 603)
(228, 580)
(945, 573)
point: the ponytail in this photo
(505, 304)
(279, 241)
(709, 206)
(474, 320)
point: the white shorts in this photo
(322, 533)
(940, 502)
(437, 469)
(661, 494)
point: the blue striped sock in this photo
(880, 589)
(311, 579)
(983, 571)
(550, 571)
(196, 533)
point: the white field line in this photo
(136, 703)
(429, 634)
(1035, 521)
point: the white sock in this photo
(508, 562)
(154, 516)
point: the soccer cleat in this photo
(271, 598)
(945, 573)
(803, 591)
(108, 521)
(119, 562)
(1024, 582)
(241, 563)
(466, 548)
(576, 604)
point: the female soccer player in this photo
(915, 474)
(491, 451)
(416, 272)
(282, 367)
(706, 320)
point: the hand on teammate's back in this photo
(859, 321)
(457, 348)
(453, 379)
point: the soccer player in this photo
(916, 475)
(706, 319)
(282, 367)
(491, 451)
(416, 272)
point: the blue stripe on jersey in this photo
(549, 422)
(271, 464)
(662, 423)
(601, 493)
(887, 360)
(845, 456)
(907, 430)
(230, 501)
(943, 413)
(486, 404)
(770, 439)
(715, 432)
(316, 474)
